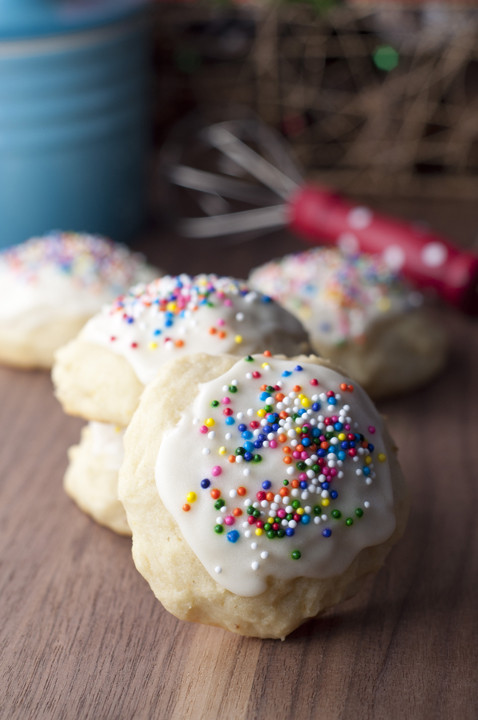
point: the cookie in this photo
(51, 285)
(91, 479)
(260, 491)
(100, 375)
(361, 315)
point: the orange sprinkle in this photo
(282, 437)
(215, 493)
(283, 414)
(179, 343)
(286, 449)
(241, 490)
(221, 334)
(299, 448)
(350, 388)
(186, 507)
(232, 458)
(267, 353)
(297, 388)
(212, 331)
(287, 460)
(237, 512)
(284, 492)
(295, 483)
(279, 396)
(263, 387)
(269, 496)
(343, 386)
(324, 445)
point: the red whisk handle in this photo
(427, 259)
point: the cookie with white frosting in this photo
(51, 285)
(361, 315)
(260, 491)
(101, 374)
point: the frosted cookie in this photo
(361, 315)
(100, 375)
(259, 491)
(51, 285)
(91, 479)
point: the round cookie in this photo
(51, 285)
(100, 375)
(361, 315)
(91, 479)
(260, 491)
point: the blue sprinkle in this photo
(247, 456)
(233, 536)
(230, 420)
(289, 531)
(366, 470)
(286, 373)
(242, 427)
(316, 406)
(266, 484)
(305, 519)
(334, 494)
(156, 332)
(303, 485)
(247, 434)
(298, 368)
(327, 532)
(264, 395)
(205, 483)
(332, 401)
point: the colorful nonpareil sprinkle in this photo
(89, 261)
(336, 294)
(294, 477)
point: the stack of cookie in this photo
(51, 285)
(101, 374)
(361, 315)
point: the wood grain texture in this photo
(81, 635)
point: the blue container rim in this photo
(22, 19)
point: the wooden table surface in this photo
(82, 635)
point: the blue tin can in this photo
(74, 120)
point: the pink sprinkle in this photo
(296, 454)
(302, 476)
(226, 400)
(228, 302)
(203, 429)
(371, 429)
(221, 322)
(281, 513)
(229, 520)
(273, 443)
(304, 455)
(217, 470)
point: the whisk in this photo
(240, 176)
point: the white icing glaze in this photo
(65, 274)
(176, 315)
(337, 295)
(107, 443)
(200, 446)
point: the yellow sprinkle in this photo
(209, 422)
(259, 531)
(300, 511)
(305, 402)
(384, 304)
(118, 428)
(238, 339)
(342, 437)
(191, 497)
(265, 366)
(382, 457)
(368, 459)
(261, 412)
(325, 502)
(298, 430)
(270, 520)
(171, 306)
(222, 450)
(153, 345)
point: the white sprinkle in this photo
(218, 569)
(211, 435)
(239, 316)
(366, 504)
(255, 565)
(206, 451)
(254, 545)
(246, 472)
(232, 493)
(264, 555)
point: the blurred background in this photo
(378, 99)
